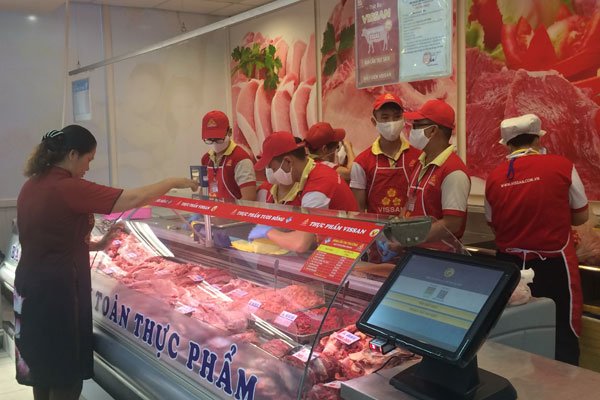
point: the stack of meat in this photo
(337, 361)
(308, 322)
(208, 294)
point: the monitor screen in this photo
(437, 301)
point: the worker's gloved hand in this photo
(192, 218)
(387, 254)
(219, 237)
(259, 232)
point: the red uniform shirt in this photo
(385, 179)
(325, 188)
(440, 188)
(233, 171)
(532, 210)
(268, 193)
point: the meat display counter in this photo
(185, 307)
(227, 318)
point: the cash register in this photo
(442, 307)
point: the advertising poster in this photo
(377, 48)
(82, 110)
(426, 39)
(540, 57)
(346, 106)
(273, 76)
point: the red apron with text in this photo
(221, 180)
(387, 193)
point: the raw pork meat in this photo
(569, 116)
(244, 110)
(294, 57)
(276, 347)
(307, 66)
(280, 106)
(298, 107)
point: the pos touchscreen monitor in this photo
(442, 307)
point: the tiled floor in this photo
(9, 388)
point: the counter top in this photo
(534, 377)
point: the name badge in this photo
(214, 187)
(410, 204)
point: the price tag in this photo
(184, 309)
(302, 354)
(238, 293)
(196, 278)
(347, 337)
(285, 318)
(254, 304)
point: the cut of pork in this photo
(298, 109)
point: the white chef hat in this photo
(530, 124)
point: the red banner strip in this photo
(362, 231)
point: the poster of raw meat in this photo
(377, 49)
(348, 107)
(274, 73)
(541, 57)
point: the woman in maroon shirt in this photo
(53, 313)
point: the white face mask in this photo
(219, 147)
(269, 175)
(341, 155)
(390, 130)
(418, 139)
(280, 177)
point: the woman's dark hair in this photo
(56, 145)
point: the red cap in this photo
(276, 144)
(214, 125)
(436, 110)
(321, 134)
(386, 98)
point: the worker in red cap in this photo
(531, 201)
(231, 172)
(277, 193)
(380, 174)
(319, 186)
(439, 184)
(327, 145)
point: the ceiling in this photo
(225, 8)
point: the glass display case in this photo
(184, 293)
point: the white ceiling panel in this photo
(130, 3)
(214, 7)
(232, 9)
(193, 6)
(33, 6)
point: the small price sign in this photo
(183, 309)
(347, 337)
(254, 304)
(238, 293)
(196, 278)
(302, 354)
(285, 318)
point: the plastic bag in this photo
(587, 243)
(522, 293)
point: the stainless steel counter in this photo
(534, 377)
